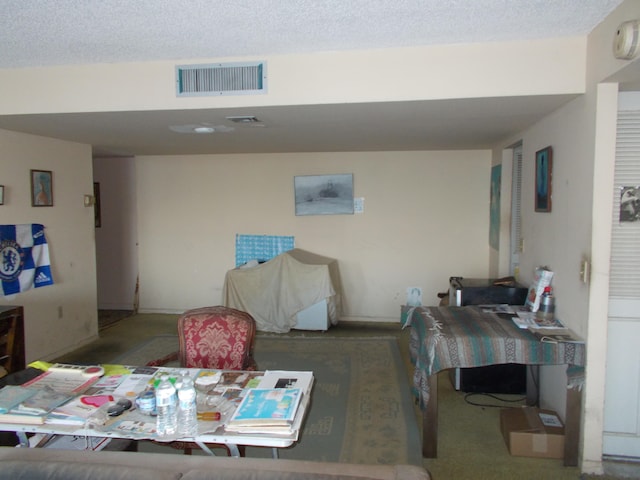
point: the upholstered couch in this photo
(50, 464)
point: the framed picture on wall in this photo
(544, 164)
(41, 188)
(324, 194)
(1, 194)
(96, 205)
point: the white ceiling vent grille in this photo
(221, 79)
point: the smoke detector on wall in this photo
(626, 43)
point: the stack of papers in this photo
(79, 410)
(549, 331)
(10, 397)
(555, 335)
(529, 321)
(29, 405)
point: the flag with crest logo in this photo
(24, 258)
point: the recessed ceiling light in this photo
(204, 129)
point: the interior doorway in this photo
(116, 238)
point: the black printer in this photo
(510, 378)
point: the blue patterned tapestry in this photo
(24, 258)
(261, 247)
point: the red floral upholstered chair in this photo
(213, 337)
(217, 337)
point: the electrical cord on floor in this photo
(495, 397)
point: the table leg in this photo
(430, 420)
(22, 439)
(572, 426)
(205, 448)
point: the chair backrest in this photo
(216, 337)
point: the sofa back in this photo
(49, 464)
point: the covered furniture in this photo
(42, 463)
(279, 292)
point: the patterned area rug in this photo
(361, 410)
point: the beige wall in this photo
(582, 135)
(425, 219)
(63, 316)
(540, 67)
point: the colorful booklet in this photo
(267, 407)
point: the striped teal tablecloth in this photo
(451, 337)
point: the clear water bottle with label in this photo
(187, 409)
(166, 408)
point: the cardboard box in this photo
(531, 432)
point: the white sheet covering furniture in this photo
(275, 291)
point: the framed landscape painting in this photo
(324, 194)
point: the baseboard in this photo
(115, 306)
(344, 318)
(356, 318)
(70, 349)
(161, 311)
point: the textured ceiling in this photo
(55, 32)
(63, 32)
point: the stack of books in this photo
(273, 406)
(28, 405)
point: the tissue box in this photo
(531, 432)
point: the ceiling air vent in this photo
(221, 79)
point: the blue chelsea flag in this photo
(24, 258)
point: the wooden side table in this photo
(12, 355)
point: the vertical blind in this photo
(625, 244)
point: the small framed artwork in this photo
(544, 164)
(324, 194)
(630, 204)
(96, 204)
(1, 194)
(41, 188)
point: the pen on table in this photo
(209, 416)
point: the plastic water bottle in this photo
(187, 410)
(166, 408)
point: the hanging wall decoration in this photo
(324, 194)
(544, 163)
(41, 188)
(630, 204)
